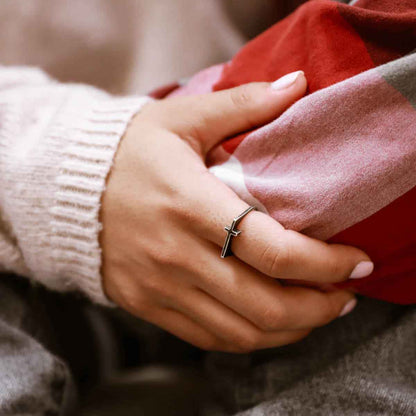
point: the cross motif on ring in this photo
(232, 231)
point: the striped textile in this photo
(340, 164)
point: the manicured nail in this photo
(362, 269)
(348, 307)
(286, 81)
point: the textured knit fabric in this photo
(361, 365)
(57, 144)
(33, 380)
(340, 164)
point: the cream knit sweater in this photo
(57, 141)
(57, 144)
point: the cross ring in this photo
(232, 231)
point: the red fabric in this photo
(301, 42)
(388, 237)
(364, 38)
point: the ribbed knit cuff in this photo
(86, 135)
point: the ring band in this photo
(232, 231)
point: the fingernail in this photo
(348, 307)
(286, 81)
(362, 269)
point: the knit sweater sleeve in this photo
(57, 144)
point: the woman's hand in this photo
(164, 216)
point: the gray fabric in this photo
(401, 75)
(363, 364)
(33, 381)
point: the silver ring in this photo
(232, 231)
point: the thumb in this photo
(213, 117)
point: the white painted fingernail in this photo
(348, 307)
(362, 269)
(286, 81)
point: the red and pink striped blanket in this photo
(340, 164)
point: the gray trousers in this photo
(363, 364)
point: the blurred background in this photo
(154, 43)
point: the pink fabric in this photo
(315, 167)
(202, 82)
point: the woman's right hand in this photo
(163, 217)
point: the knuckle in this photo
(159, 288)
(153, 285)
(164, 253)
(138, 305)
(329, 311)
(276, 258)
(246, 342)
(185, 209)
(241, 97)
(194, 134)
(336, 271)
(272, 318)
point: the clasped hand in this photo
(163, 217)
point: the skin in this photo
(163, 217)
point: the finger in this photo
(263, 301)
(184, 328)
(236, 331)
(282, 253)
(267, 246)
(210, 118)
